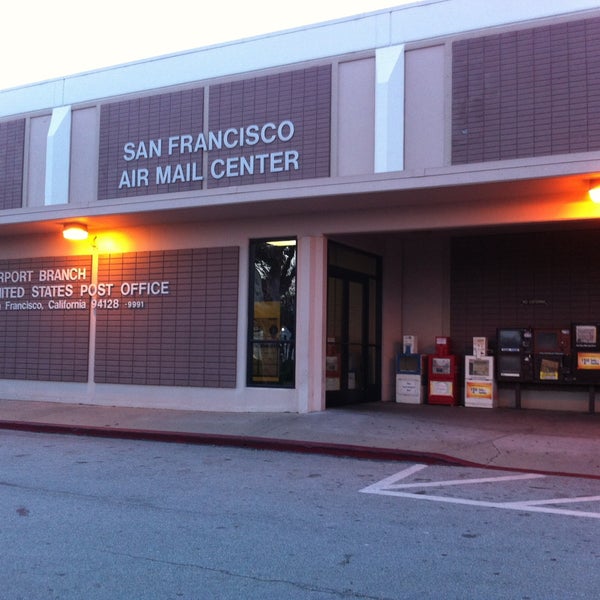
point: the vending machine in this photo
(514, 354)
(552, 355)
(480, 385)
(586, 352)
(442, 374)
(333, 365)
(411, 370)
(410, 378)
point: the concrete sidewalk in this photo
(530, 440)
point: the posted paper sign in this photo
(588, 360)
(480, 390)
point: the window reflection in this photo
(272, 313)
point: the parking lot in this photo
(530, 492)
(108, 518)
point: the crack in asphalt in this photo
(492, 460)
(109, 500)
(297, 584)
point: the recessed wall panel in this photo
(168, 318)
(147, 145)
(545, 279)
(260, 130)
(525, 93)
(44, 320)
(12, 148)
(282, 126)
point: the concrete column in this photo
(311, 304)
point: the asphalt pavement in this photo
(563, 443)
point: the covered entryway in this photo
(353, 360)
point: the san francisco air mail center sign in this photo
(267, 129)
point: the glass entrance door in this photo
(353, 366)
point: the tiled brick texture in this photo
(303, 97)
(12, 147)
(43, 345)
(187, 337)
(527, 93)
(142, 120)
(543, 279)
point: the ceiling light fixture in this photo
(594, 192)
(75, 231)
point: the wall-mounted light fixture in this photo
(75, 231)
(594, 191)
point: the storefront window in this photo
(272, 313)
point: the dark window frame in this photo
(281, 364)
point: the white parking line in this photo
(466, 481)
(390, 481)
(390, 486)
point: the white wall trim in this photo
(389, 109)
(58, 152)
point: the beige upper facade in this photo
(390, 131)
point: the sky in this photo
(46, 39)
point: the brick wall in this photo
(302, 96)
(526, 93)
(141, 121)
(12, 147)
(538, 279)
(186, 337)
(135, 136)
(40, 342)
